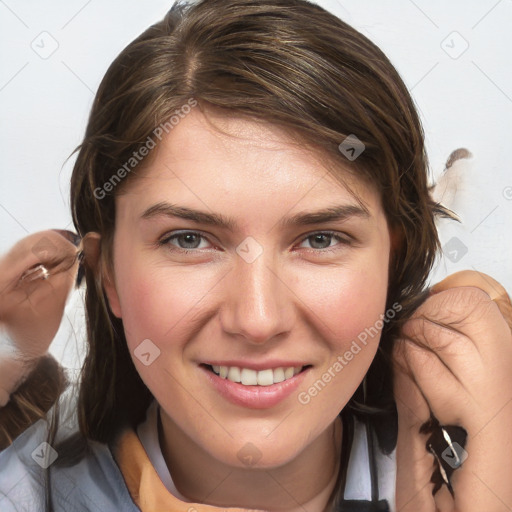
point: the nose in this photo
(258, 303)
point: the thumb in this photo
(479, 280)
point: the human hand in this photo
(36, 276)
(462, 375)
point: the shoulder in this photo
(81, 474)
(21, 481)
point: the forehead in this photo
(234, 157)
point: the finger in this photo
(414, 463)
(444, 500)
(31, 310)
(483, 481)
(464, 364)
(445, 392)
(476, 483)
(408, 394)
(54, 249)
(464, 316)
(33, 323)
(439, 357)
(493, 288)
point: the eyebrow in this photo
(330, 214)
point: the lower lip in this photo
(254, 397)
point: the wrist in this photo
(14, 367)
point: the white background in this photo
(464, 97)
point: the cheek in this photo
(350, 307)
(158, 304)
(350, 301)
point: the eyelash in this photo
(346, 241)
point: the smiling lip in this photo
(254, 397)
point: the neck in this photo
(306, 482)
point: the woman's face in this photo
(237, 253)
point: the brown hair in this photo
(286, 62)
(32, 400)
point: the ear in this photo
(94, 260)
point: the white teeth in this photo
(278, 375)
(266, 378)
(234, 374)
(249, 377)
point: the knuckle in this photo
(455, 304)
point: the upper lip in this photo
(257, 366)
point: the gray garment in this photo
(95, 483)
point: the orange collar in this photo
(144, 485)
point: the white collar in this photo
(148, 435)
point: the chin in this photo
(258, 453)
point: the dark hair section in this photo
(32, 400)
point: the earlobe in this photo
(96, 262)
